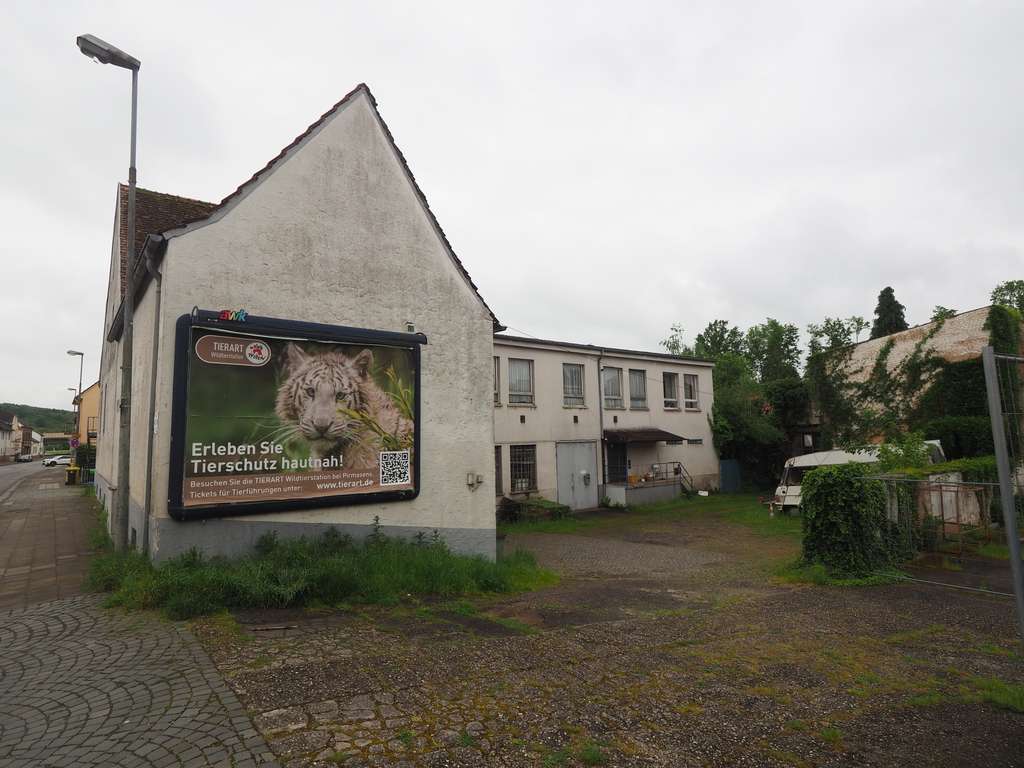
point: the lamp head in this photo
(105, 53)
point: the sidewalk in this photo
(84, 685)
(43, 540)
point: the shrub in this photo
(909, 450)
(537, 508)
(844, 521)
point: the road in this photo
(12, 473)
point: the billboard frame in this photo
(282, 329)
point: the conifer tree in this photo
(888, 315)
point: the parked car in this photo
(53, 461)
(23, 457)
(787, 495)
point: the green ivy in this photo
(980, 469)
(957, 389)
(845, 528)
(961, 436)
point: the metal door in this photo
(576, 464)
(618, 468)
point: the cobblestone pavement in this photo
(43, 539)
(83, 685)
(712, 665)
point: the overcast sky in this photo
(602, 172)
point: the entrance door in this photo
(617, 466)
(576, 464)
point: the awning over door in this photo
(639, 435)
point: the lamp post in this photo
(105, 53)
(81, 362)
(75, 402)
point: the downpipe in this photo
(158, 280)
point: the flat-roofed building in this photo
(575, 423)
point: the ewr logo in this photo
(257, 352)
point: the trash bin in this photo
(71, 476)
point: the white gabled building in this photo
(334, 230)
(578, 422)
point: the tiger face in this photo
(318, 388)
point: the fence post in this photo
(995, 412)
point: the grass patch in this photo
(568, 524)
(741, 509)
(992, 649)
(994, 550)
(830, 735)
(98, 536)
(327, 570)
(591, 753)
(802, 573)
(460, 607)
(514, 624)
(923, 634)
(1004, 695)
(558, 757)
(931, 699)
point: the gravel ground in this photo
(666, 644)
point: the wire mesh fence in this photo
(1003, 377)
(941, 514)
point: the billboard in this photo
(276, 414)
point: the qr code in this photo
(394, 468)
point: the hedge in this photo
(845, 528)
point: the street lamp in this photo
(105, 53)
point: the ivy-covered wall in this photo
(958, 389)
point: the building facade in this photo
(577, 423)
(88, 415)
(31, 443)
(10, 436)
(334, 233)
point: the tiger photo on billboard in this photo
(331, 401)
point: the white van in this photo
(787, 495)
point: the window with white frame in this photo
(637, 388)
(520, 381)
(572, 384)
(670, 385)
(611, 384)
(691, 394)
(497, 380)
(523, 468)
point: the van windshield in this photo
(793, 476)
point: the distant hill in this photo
(41, 419)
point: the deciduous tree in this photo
(774, 350)
(719, 338)
(1010, 294)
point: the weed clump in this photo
(327, 570)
